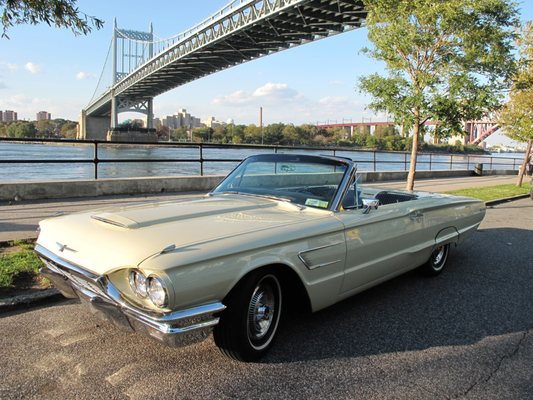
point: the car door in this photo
(382, 243)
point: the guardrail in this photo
(434, 161)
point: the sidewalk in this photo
(20, 220)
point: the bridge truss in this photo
(240, 32)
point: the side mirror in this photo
(370, 204)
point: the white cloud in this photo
(84, 75)
(269, 92)
(33, 68)
(330, 101)
(8, 66)
(235, 98)
(278, 90)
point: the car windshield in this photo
(311, 181)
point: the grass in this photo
(493, 192)
(18, 263)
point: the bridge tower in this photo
(129, 50)
(130, 57)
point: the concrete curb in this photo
(28, 300)
(491, 203)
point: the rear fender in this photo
(446, 236)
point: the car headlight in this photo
(157, 292)
(138, 283)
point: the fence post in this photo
(405, 161)
(430, 159)
(200, 148)
(374, 152)
(490, 163)
(95, 159)
(451, 162)
(467, 163)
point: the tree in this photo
(21, 130)
(252, 134)
(517, 115)
(382, 131)
(60, 13)
(447, 61)
(69, 129)
(273, 133)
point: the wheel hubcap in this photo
(438, 257)
(263, 311)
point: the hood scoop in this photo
(115, 219)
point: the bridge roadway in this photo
(466, 334)
(19, 220)
(243, 31)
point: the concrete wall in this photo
(101, 187)
(120, 186)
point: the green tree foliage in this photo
(253, 134)
(382, 131)
(202, 134)
(447, 60)
(60, 13)
(21, 130)
(69, 129)
(273, 134)
(517, 115)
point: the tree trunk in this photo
(524, 164)
(412, 167)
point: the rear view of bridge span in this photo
(144, 66)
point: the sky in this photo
(51, 69)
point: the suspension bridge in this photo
(144, 66)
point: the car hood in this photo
(103, 240)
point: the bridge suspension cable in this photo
(104, 80)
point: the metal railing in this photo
(433, 160)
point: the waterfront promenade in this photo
(19, 220)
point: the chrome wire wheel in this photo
(264, 312)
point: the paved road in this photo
(466, 334)
(19, 220)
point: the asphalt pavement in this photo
(466, 334)
(19, 220)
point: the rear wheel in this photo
(437, 261)
(248, 326)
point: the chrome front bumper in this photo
(176, 328)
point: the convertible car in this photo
(280, 230)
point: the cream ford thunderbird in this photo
(280, 230)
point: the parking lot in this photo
(465, 334)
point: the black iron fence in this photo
(367, 160)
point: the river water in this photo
(385, 161)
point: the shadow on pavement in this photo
(487, 290)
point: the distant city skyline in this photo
(44, 68)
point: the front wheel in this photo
(437, 261)
(248, 326)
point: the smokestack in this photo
(261, 122)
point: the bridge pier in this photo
(92, 127)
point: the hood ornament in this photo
(62, 247)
